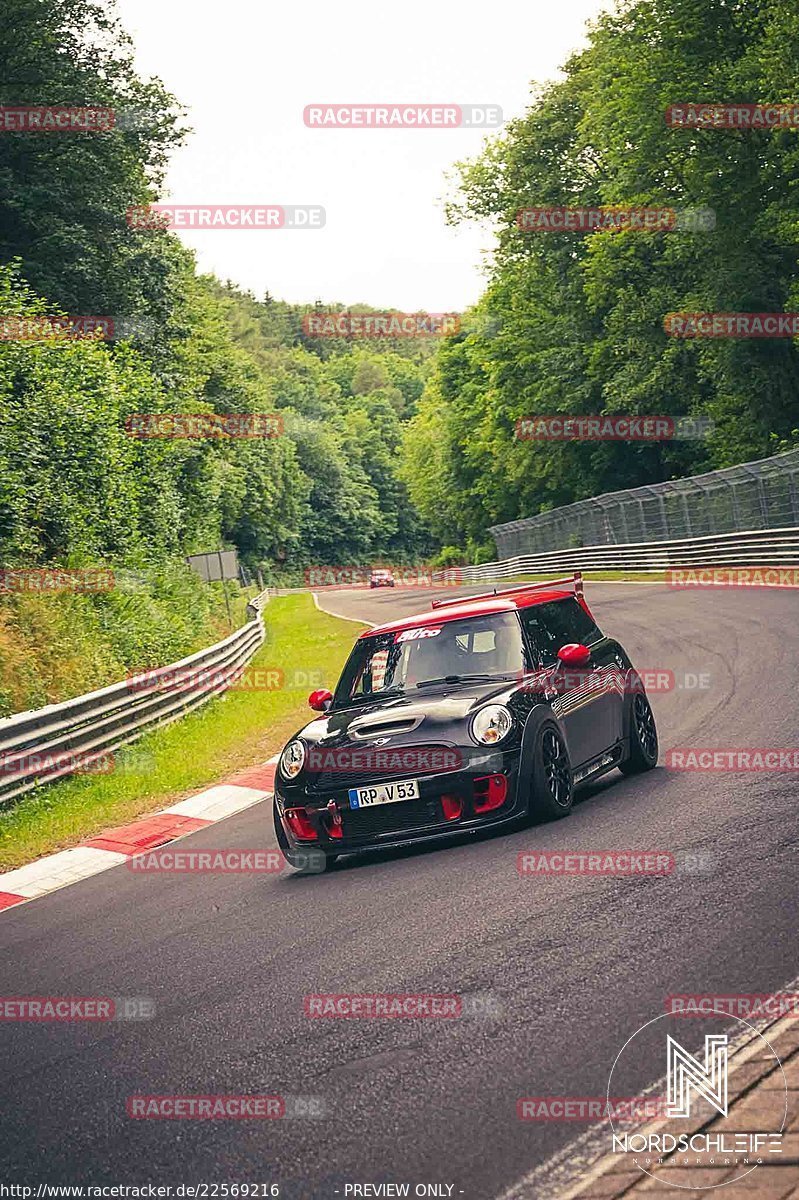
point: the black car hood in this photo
(437, 713)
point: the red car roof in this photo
(480, 606)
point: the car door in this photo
(588, 702)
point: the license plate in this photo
(384, 793)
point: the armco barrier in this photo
(34, 744)
(753, 548)
(760, 495)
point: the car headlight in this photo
(291, 760)
(491, 724)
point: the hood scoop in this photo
(383, 727)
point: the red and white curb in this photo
(115, 846)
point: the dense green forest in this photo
(73, 485)
(75, 488)
(572, 323)
(390, 448)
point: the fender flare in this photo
(539, 713)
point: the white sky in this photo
(245, 69)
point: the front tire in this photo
(643, 754)
(551, 780)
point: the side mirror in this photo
(574, 654)
(320, 700)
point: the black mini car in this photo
(480, 712)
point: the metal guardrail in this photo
(750, 548)
(43, 745)
(756, 495)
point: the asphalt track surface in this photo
(577, 963)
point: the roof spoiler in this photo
(575, 581)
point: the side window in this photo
(552, 625)
(378, 669)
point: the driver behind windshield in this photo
(433, 658)
(491, 648)
(395, 662)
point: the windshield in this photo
(402, 662)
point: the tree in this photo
(573, 323)
(64, 195)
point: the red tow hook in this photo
(336, 823)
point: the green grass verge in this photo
(238, 730)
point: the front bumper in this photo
(340, 829)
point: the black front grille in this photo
(391, 818)
(423, 760)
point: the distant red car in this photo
(381, 578)
(482, 711)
